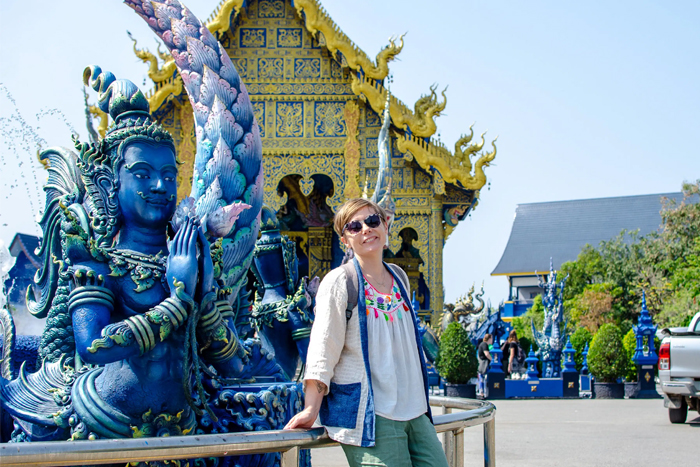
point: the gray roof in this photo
(560, 229)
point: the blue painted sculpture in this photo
(644, 332)
(283, 309)
(553, 335)
(141, 337)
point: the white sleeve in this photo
(328, 332)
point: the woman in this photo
(512, 347)
(381, 416)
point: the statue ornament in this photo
(143, 297)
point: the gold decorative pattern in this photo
(307, 67)
(271, 9)
(253, 37)
(277, 167)
(186, 150)
(328, 119)
(437, 242)
(270, 68)
(438, 183)
(290, 119)
(419, 223)
(351, 114)
(259, 112)
(289, 37)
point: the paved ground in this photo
(569, 433)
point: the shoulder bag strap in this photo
(352, 286)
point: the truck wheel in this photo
(679, 415)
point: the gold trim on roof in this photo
(418, 123)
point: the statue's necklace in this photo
(143, 269)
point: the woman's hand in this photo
(313, 395)
(304, 419)
(182, 258)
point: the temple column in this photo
(437, 240)
(320, 251)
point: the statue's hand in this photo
(182, 260)
(206, 266)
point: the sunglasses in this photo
(354, 227)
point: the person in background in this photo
(511, 352)
(483, 355)
(365, 374)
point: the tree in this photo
(579, 338)
(607, 360)
(456, 360)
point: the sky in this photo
(588, 99)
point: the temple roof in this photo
(417, 124)
(559, 229)
(26, 244)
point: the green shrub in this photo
(456, 361)
(629, 342)
(579, 339)
(607, 359)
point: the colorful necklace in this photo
(389, 305)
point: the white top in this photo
(397, 380)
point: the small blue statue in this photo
(553, 335)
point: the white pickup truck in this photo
(679, 370)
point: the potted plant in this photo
(629, 342)
(456, 362)
(607, 362)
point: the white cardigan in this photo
(338, 357)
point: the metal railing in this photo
(66, 453)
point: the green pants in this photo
(400, 444)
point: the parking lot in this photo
(576, 433)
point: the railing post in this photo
(449, 442)
(459, 448)
(490, 443)
(290, 458)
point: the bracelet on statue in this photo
(211, 324)
(301, 333)
(169, 315)
(224, 308)
(143, 333)
(89, 289)
(227, 351)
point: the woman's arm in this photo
(312, 404)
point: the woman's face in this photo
(148, 186)
(368, 240)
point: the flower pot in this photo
(631, 389)
(467, 391)
(609, 390)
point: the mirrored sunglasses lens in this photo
(373, 221)
(354, 227)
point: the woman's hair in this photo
(513, 336)
(350, 208)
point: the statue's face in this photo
(148, 188)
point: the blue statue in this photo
(145, 300)
(283, 310)
(552, 338)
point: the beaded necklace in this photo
(389, 305)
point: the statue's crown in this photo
(127, 106)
